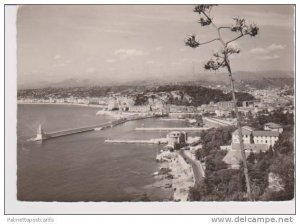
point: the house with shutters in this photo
(265, 137)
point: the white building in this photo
(254, 141)
(225, 105)
(246, 133)
(140, 108)
(221, 112)
(175, 138)
(113, 105)
(265, 137)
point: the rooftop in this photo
(273, 125)
(266, 133)
(246, 130)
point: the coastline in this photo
(112, 114)
(65, 104)
(174, 173)
(174, 176)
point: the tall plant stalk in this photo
(221, 60)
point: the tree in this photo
(221, 60)
(251, 158)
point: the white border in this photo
(15, 207)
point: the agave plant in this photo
(221, 59)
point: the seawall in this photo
(218, 122)
(173, 129)
(55, 134)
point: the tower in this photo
(41, 135)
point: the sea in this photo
(81, 167)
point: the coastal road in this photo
(197, 169)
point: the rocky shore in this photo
(174, 173)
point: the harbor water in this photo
(81, 167)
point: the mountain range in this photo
(242, 78)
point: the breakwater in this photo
(218, 122)
(42, 135)
(151, 141)
(173, 129)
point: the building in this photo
(113, 105)
(273, 127)
(245, 110)
(246, 133)
(225, 105)
(254, 141)
(41, 135)
(251, 103)
(223, 113)
(176, 138)
(140, 108)
(265, 137)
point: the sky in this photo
(115, 44)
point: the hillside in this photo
(197, 95)
(171, 94)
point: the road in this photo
(195, 165)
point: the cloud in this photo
(56, 57)
(258, 50)
(110, 60)
(269, 49)
(60, 63)
(96, 29)
(270, 57)
(150, 62)
(90, 70)
(274, 47)
(57, 65)
(129, 52)
(175, 63)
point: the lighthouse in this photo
(41, 135)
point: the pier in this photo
(173, 129)
(151, 141)
(42, 135)
(218, 122)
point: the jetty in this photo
(218, 122)
(173, 129)
(42, 135)
(151, 141)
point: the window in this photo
(266, 141)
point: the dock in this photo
(218, 122)
(42, 135)
(173, 129)
(151, 141)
